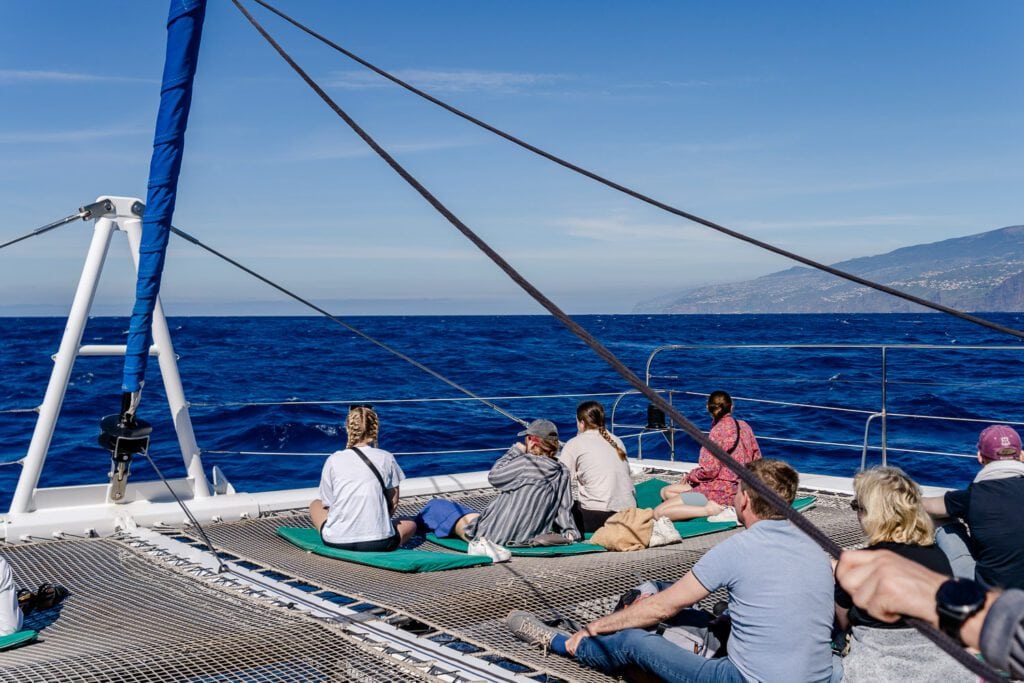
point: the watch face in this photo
(960, 595)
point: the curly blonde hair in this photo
(891, 509)
(362, 424)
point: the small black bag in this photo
(694, 630)
(549, 540)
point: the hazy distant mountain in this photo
(983, 272)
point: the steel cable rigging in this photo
(773, 498)
(886, 289)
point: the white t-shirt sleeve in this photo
(393, 474)
(10, 613)
(326, 484)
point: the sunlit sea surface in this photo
(280, 387)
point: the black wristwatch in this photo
(956, 601)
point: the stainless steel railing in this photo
(878, 413)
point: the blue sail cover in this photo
(184, 30)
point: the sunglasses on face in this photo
(856, 506)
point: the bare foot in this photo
(712, 508)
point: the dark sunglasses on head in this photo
(855, 505)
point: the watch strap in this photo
(954, 612)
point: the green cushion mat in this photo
(647, 496)
(551, 551)
(648, 493)
(400, 560)
(17, 638)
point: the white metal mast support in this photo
(124, 217)
(168, 361)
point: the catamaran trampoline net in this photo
(468, 606)
(131, 619)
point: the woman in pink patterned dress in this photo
(708, 489)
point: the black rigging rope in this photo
(46, 228)
(83, 214)
(221, 567)
(906, 296)
(349, 327)
(751, 481)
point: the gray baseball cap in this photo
(543, 429)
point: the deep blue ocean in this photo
(255, 384)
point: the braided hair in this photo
(362, 424)
(591, 414)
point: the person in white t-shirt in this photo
(596, 460)
(10, 610)
(359, 491)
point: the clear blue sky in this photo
(835, 129)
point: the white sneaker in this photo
(481, 546)
(663, 532)
(726, 515)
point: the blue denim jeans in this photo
(652, 653)
(952, 539)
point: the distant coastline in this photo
(983, 272)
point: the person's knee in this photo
(460, 526)
(693, 498)
(406, 529)
(613, 652)
(635, 640)
(317, 513)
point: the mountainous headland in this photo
(983, 272)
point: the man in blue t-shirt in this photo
(991, 507)
(780, 601)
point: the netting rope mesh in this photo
(129, 618)
(470, 605)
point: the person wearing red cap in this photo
(992, 554)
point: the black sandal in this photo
(49, 596)
(26, 601)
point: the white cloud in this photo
(739, 81)
(742, 144)
(19, 76)
(622, 229)
(78, 135)
(455, 80)
(314, 151)
(422, 254)
(894, 220)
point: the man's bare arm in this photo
(935, 506)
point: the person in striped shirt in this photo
(534, 497)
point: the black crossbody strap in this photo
(376, 473)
